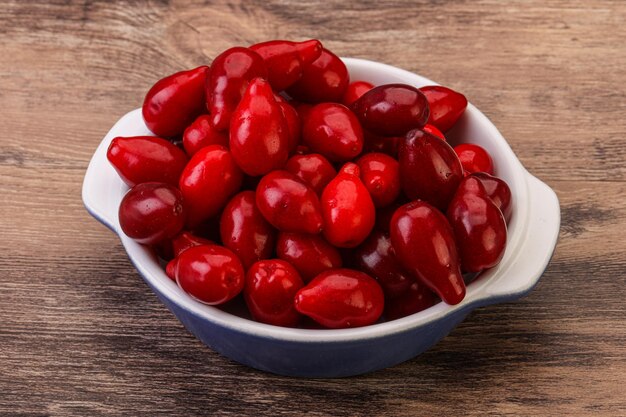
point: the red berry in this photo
(380, 174)
(309, 254)
(200, 134)
(259, 135)
(376, 257)
(391, 109)
(325, 79)
(152, 212)
(211, 274)
(227, 80)
(424, 244)
(497, 190)
(474, 158)
(332, 130)
(286, 60)
(354, 91)
(208, 181)
(429, 169)
(479, 226)
(341, 298)
(313, 169)
(141, 159)
(288, 203)
(245, 231)
(186, 240)
(347, 209)
(270, 288)
(446, 106)
(174, 102)
(415, 299)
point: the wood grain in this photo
(81, 334)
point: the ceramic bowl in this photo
(532, 236)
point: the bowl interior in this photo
(472, 127)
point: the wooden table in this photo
(81, 334)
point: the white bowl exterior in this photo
(533, 229)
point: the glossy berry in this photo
(341, 298)
(270, 288)
(429, 169)
(140, 159)
(391, 109)
(313, 169)
(347, 208)
(415, 299)
(174, 102)
(186, 240)
(210, 178)
(226, 82)
(289, 204)
(286, 60)
(380, 174)
(446, 106)
(324, 80)
(479, 226)
(245, 231)
(152, 212)
(376, 257)
(334, 131)
(424, 244)
(354, 91)
(309, 254)
(474, 158)
(259, 135)
(497, 190)
(200, 134)
(209, 273)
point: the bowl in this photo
(532, 235)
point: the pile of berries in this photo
(319, 200)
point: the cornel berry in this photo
(317, 198)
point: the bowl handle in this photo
(538, 245)
(102, 187)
